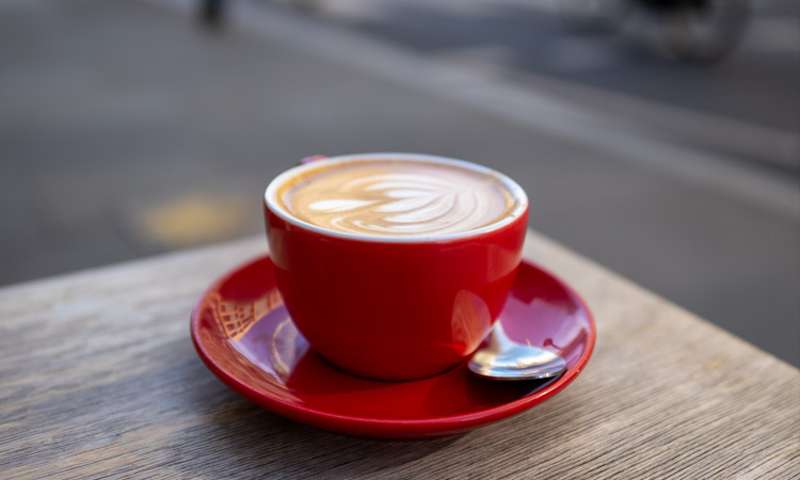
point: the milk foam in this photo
(390, 197)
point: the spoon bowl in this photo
(505, 359)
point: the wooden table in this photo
(98, 379)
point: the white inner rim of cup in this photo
(270, 197)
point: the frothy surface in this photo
(396, 197)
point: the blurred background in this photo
(660, 138)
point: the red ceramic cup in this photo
(394, 308)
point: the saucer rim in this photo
(397, 428)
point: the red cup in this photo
(394, 308)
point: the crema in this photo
(386, 197)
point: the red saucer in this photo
(244, 334)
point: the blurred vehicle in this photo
(687, 30)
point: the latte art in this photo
(392, 197)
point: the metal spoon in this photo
(505, 359)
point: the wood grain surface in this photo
(98, 379)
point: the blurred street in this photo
(751, 94)
(128, 129)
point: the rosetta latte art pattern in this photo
(400, 200)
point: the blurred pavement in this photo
(127, 130)
(746, 105)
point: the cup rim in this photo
(270, 198)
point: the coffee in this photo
(391, 197)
